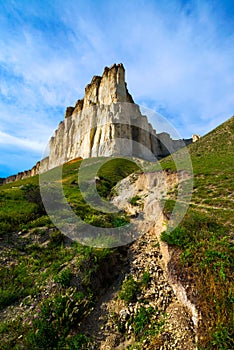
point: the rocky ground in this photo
(110, 323)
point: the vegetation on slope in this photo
(47, 282)
(203, 242)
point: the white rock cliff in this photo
(106, 122)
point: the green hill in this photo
(43, 275)
(204, 239)
(48, 283)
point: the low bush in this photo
(56, 238)
(32, 194)
(145, 279)
(54, 319)
(64, 277)
(129, 289)
(78, 341)
(178, 237)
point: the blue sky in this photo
(178, 57)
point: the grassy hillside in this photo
(203, 242)
(48, 283)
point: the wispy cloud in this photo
(7, 139)
(178, 56)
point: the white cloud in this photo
(33, 145)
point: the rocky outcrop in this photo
(196, 137)
(106, 122)
(168, 145)
(23, 174)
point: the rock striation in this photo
(106, 122)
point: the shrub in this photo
(142, 319)
(5, 227)
(15, 282)
(78, 341)
(64, 278)
(129, 289)
(39, 222)
(222, 339)
(56, 238)
(178, 237)
(54, 319)
(168, 206)
(145, 278)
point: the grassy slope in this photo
(203, 242)
(39, 267)
(202, 246)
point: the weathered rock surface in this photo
(106, 122)
(196, 137)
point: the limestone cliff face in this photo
(23, 174)
(106, 122)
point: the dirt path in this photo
(206, 206)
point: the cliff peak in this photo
(104, 90)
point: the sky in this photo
(178, 56)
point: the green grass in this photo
(109, 174)
(20, 204)
(29, 265)
(129, 290)
(203, 239)
(52, 315)
(205, 236)
(134, 200)
(15, 208)
(112, 172)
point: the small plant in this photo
(54, 319)
(120, 221)
(64, 278)
(168, 206)
(222, 338)
(145, 278)
(178, 237)
(33, 195)
(23, 283)
(145, 326)
(142, 319)
(39, 222)
(129, 289)
(78, 341)
(56, 238)
(134, 200)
